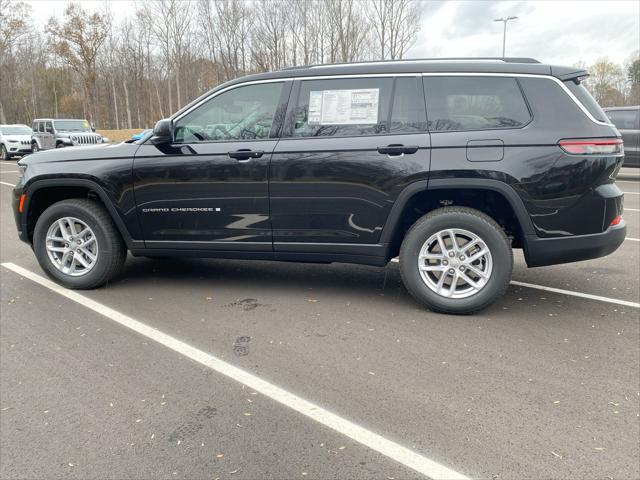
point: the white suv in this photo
(14, 140)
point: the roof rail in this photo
(420, 60)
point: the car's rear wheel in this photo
(77, 244)
(59, 145)
(456, 260)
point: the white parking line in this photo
(633, 239)
(631, 209)
(631, 193)
(7, 184)
(376, 442)
(577, 294)
(9, 171)
(571, 293)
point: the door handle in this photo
(246, 154)
(395, 150)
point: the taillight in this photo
(616, 220)
(21, 204)
(596, 146)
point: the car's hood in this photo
(104, 151)
(17, 137)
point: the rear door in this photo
(209, 188)
(349, 147)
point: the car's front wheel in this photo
(34, 147)
(456, 260)
(77, 244)
(4, 154)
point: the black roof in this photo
(512, 65)
(425, 65)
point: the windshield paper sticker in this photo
(344, 107)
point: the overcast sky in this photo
(552, 31)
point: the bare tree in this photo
(78, 41)
(396, 24)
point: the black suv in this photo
(445, 164)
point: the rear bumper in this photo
(551, 251)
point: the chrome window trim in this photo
(423, 74)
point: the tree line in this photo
(130, 73)
(614, 85)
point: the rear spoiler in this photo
(569, 73)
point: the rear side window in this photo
(407, 111)
(474, 103)
(342, 107)
(623, 119)
(585, 98)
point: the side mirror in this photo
(163, 132)
(50, 130)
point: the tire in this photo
(110, 252)
(59, 145)
(34, 147)
(4, 155)
(496, 266)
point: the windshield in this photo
(72, 126)
(15, 130)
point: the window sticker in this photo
(344, 107)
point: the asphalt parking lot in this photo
(203, 369)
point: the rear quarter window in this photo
(474, 103)
(585, 98)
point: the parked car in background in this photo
(141, 135)
(627, 119)
(61, 132)
(14, 140)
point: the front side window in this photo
(474, 103)
(243, 113)
(41, 127)
(342, 107)
(623, 119)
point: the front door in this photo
(209, 188)
(349, 147)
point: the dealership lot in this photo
(544, 384)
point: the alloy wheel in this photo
(72, 246)
(455, 263)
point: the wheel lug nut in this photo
(444, 262)
(461, 268)
(451, 270)
(451, 254)
(462, 257)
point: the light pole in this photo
(504, 34)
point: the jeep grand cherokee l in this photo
(447, 165)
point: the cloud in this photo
(560, 32)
